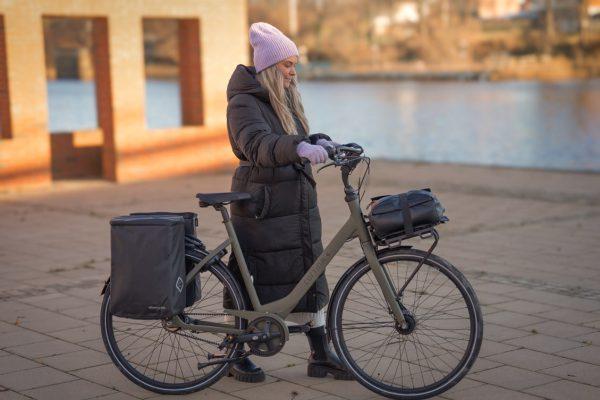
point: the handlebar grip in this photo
(353, 147)
(330, 152)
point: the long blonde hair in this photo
(285, 102)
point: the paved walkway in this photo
(527, 240)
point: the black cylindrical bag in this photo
(405, 213)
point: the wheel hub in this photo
(170, 326)
(409, 325)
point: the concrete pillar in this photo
(5, 124)
(25, 156)
(190, 73)
(104, 108)
(214, 34)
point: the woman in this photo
(280, 228)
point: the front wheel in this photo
(428, 356)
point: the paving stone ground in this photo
(528, 241)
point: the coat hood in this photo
(243, 81)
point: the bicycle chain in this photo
(211, 314)
(189, 335)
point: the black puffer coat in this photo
(280, 228)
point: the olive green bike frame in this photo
(280, 309)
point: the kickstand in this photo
(222, 360)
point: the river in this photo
(514, 124)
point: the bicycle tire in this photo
(214, 275)
(348, 305)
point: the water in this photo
(72, 105)
(514, 124)
(163, 104)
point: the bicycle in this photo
(406, 322)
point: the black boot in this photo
(323, 360)
(246, 371)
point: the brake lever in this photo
(326, 165)
(334, 155)
(343, 155)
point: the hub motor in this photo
(410, 326)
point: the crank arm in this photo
(299, 328)
(255, 337)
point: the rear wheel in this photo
(427, 356)
(164, 359)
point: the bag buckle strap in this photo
(408, 225)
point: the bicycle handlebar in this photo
(347, 156)
(335, 153)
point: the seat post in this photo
(224, 212)
(239, 256)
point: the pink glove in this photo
(315, 153)
(327, 143)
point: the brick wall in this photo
(214, 35)
(73, 160)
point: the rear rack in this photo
(423, 231)
(195, 250)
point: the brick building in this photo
(212, 38)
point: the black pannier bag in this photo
(405, 213)
(190, 220)
(147, 275)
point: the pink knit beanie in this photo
(270, 45)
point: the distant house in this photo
(593, 8)
(566, 13)
(493, 9)
(405, 13)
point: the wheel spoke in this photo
(158, 356)
(421, 358)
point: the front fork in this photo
(385, 282)
(381, 275)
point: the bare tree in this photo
(293, 17)
(422, 23)
(584, 22)
(550, 30)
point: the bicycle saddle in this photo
(211, 199)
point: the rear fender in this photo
(106, 283)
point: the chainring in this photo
(275, 336)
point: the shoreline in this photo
(526, 69)
(334, 76)
(438, 174)
(488, 166)
(438, 76)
